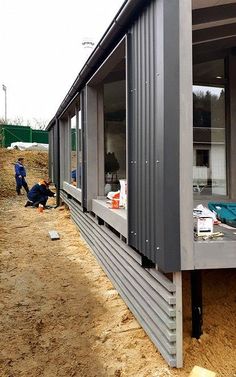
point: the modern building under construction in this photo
(154, 105)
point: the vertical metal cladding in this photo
(153, 160)
(61, 147)
(56, 158)
(51, 152)
(84, 148)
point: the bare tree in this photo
(18, 121)
(40, 124)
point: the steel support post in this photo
(196, 297)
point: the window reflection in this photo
(76, 149)
(114, 133)
(79, 130)
(73, 162)
(209, 155)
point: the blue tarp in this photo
(225, 212)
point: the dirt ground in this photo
(61, 316)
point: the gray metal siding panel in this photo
(62, 152)
(51, 152)
(171, 135)
(56, 156)
(84, 148)
(148, 293)
(91, 141)
(153, 135)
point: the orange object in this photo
(40, 208)
(115, 203)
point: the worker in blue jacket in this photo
(74, 174)
(39, 194)
(20, 174)
(73, 177)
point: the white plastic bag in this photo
(123, 193)
(201, 211)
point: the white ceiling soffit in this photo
(197, 4)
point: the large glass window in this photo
(114, 104)
(73, 161)
(114, 133)
(79, 138)
(76, 149)
(209, 147)
(106, 99)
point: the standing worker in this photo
(20, 174)
(39, 193)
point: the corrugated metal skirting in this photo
(148, 293)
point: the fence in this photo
(11, 134)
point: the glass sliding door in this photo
(209, 145)
(73, 155)
(79, 147)
(114, 133)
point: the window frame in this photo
(224, 83)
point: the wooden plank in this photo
(53, 235)
(201, 372)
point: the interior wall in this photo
(115, 123)
(115, 132)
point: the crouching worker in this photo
(39, 194)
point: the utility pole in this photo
(4, 88)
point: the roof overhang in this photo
(214, 27)
(214, 34)
(115, 32)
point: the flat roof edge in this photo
(128, 11)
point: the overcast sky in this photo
(42, 53)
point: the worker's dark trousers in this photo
(37, 199)
(41, 201)
(21, 182)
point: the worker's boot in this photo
(28, 203)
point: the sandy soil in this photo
(60, 315)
